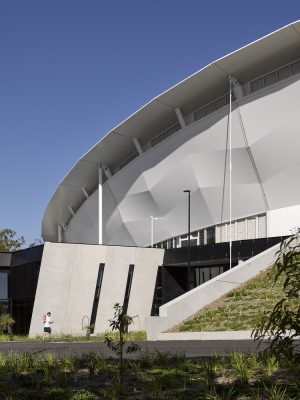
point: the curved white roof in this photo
(209, 83)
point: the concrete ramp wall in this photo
(184, 306)
(67, 283)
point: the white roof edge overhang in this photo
(210, 82)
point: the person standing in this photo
(47, 327)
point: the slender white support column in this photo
(138, 145)
(256, 228)
(151, 218)
(230, 174)
(71, 211)
(152, 228)
(59, 233)
(84, 191)
(100, 214)
(180, 118)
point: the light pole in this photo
(152, 219)
(189, 238)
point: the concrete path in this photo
(191, 348)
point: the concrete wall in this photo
(67, 282)
(189, 303)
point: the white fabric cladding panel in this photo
(194, 157)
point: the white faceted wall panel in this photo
(283, 221)
(114, 230)
(194, 158)
(138, 206)
(83, 227)
(264, 111)
(278, 150)
(283, 188)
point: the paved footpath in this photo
(191, 348)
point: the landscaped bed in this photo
(151, 376)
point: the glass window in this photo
(201, 241)
(3, 285)
(296, 67)
(170, 243)
(284, 73)
(210, 235)
(193, 242)
(270, 79)
(163, 136)
(220, 103)
(154, 141)
(199, 114)
(257, 85)
(209, 109)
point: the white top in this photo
(47, 322)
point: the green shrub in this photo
(281, 325)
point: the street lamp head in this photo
(187, 191)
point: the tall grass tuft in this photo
(221, 393)
(269, 363)
(209, 373)
(146, 359)
(240, 366)
(275, 392)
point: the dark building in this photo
(19, 273)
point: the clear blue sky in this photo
(71, 70)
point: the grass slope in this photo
(240, 309)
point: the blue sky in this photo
(71, 70)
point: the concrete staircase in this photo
(184, 306)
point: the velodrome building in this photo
(126, 195)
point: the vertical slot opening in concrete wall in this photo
(97, 293)
(128, 288)
(157, 296)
